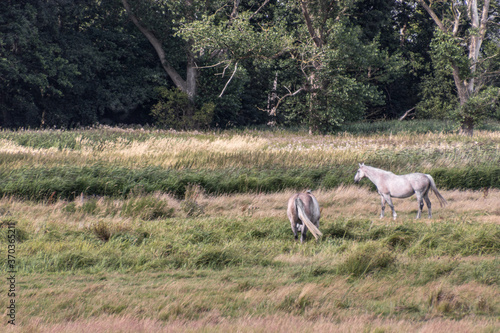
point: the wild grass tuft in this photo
(146, 208)
(101, 230)
(366, 258)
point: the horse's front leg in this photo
(382, 203)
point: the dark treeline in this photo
(220, 63)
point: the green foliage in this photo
(479, 107)
(70, 64)
(239, 37)
(448, 51)
(175, 110)
(438, 98)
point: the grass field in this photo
(121, 230)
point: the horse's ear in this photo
(361, 164)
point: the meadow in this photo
(145, 230)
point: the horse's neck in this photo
(374, 174)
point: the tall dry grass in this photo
(256, 149)
(276, 323)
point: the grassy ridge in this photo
(69, 182)
(113, 162)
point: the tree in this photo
(65, 63)
(462, 30)
(334, 69)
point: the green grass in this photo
(190, 268)
(69, 182)
(115, 162)
(211, 242)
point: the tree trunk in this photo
(187, 86)
(313, 125)
(467, 127)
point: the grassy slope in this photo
(150, 262)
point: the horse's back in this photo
(311, 206)
(419, 181)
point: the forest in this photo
(194, 64)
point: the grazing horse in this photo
(303, 213)
(391, 185)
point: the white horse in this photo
(304, 213)
(391, 185)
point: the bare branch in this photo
(234, 13)
(290, 93)
(235, 69)
(406, 114)
(484, 17)
(309, 24)
(258, 10)
(456, 14)
(433, 15)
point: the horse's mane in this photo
(377, 169)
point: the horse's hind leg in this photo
(388, 199)
(294, 228)
(303, 234)
(420, 201)
(428, 202)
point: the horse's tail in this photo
(305, 219)
(442, 200)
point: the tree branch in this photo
(484, 17)
(406, 114)
(310, 28)
(235, 69)
(258, 10)
(290, 93)
(178, 81)
(456, 14)
(234, 13)
(433, 15)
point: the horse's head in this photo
(360, 174)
